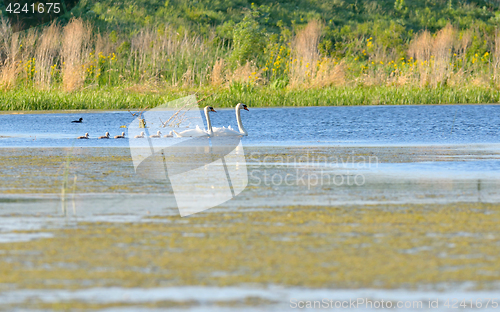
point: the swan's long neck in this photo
(209, 123)
(238, 119)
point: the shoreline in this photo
(119, 98)
(106, 110)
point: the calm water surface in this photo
(439, 144)
(464, 148)
(360, 125)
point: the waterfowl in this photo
(122, 136)
(169, 135)
(157, 135)
(106, 136)
(86, 136)
(78, 121)
(140, 136)
(198, 132)
(229, 131)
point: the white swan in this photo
(198, 132)
(229, 131)
(86, 136)
(157, 135)
(106, 136)
(139, 136)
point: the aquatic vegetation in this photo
(375, 246)
(110, 170)
(383, 245)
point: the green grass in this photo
(120, 98)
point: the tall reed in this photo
(76, 46)
(9, 56)
(305, 53)
(46, 54)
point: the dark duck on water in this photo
(78, 121)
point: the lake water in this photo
(358, 125)
(435, 154)
(417, 152)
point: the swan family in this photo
(197, 132)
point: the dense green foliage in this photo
(390, 22)
(365, 52)
(200, 16)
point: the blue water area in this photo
(357, 125)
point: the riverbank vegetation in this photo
(291, 53)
